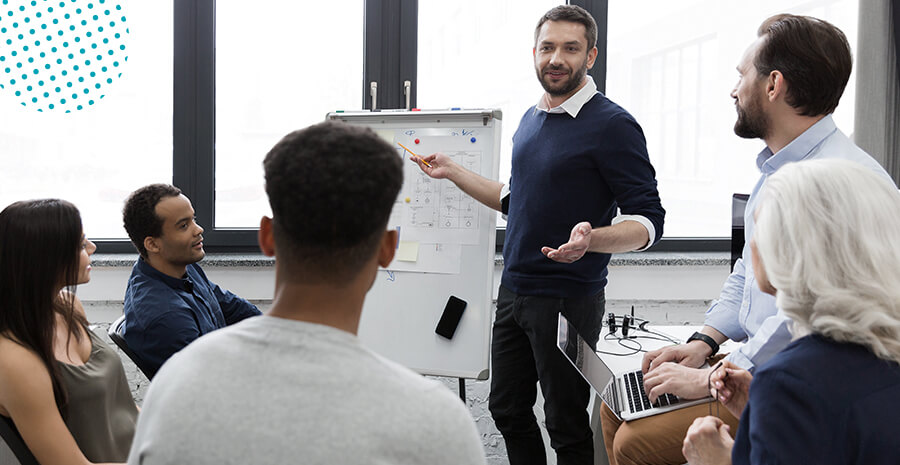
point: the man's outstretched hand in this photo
(572, 251)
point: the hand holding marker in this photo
(415, 155)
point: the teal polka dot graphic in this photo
(61, 55)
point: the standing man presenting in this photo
(577, 157)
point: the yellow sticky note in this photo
(408, 251)
(386, 134)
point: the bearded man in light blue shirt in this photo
(791, 79)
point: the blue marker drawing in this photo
(390, 275)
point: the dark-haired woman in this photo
(63, 387)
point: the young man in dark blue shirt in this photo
(169, 301)
(577, 159)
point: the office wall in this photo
(693, 280)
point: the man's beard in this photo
(567, 87)
(751, 122)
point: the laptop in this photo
(624, 392)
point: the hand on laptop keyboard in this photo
(637, 397)
(672, 378)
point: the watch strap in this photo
(698, 336)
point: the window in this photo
(676, 81)
(120, 139)
(279, 67)
(246, 75)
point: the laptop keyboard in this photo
(637, 396)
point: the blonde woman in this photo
(826, 245)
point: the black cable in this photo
(640, 348)
(634, 336)
(660, 336)
(610, 337)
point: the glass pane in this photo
(113, 59)
(477, 54)
(269, 82)
(676, 81)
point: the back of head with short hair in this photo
(814, 57)
(572, 14)
(826, 233)
(139, 213)
(331, 187)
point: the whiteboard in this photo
(447, 245)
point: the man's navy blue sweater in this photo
(567, 170)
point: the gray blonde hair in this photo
(827, 236)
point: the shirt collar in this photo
(573, 104)
(179, 284)
(799, 148)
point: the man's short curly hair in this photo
(331, 187)
(139, 213)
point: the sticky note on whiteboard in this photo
(408, 251)
(386, 134)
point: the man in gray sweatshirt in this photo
(295, 385)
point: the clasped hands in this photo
(708, 440)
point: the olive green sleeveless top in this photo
(102, 414)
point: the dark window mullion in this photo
(409, 51)
(895, 11)
(599, 9)
(194, 106)
(390, 51)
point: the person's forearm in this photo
(621, 237)
(715, 334)
(705, 349)
(480, 188)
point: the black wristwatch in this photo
(698, 336)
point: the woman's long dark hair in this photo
(39, 253)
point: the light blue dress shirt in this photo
(744, 313)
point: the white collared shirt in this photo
(573, 104)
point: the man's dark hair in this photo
(139, 214)
(814, 57)
(331, 187)
(572, 14)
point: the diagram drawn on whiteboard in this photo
(439, 204)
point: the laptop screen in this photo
(582, 355)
